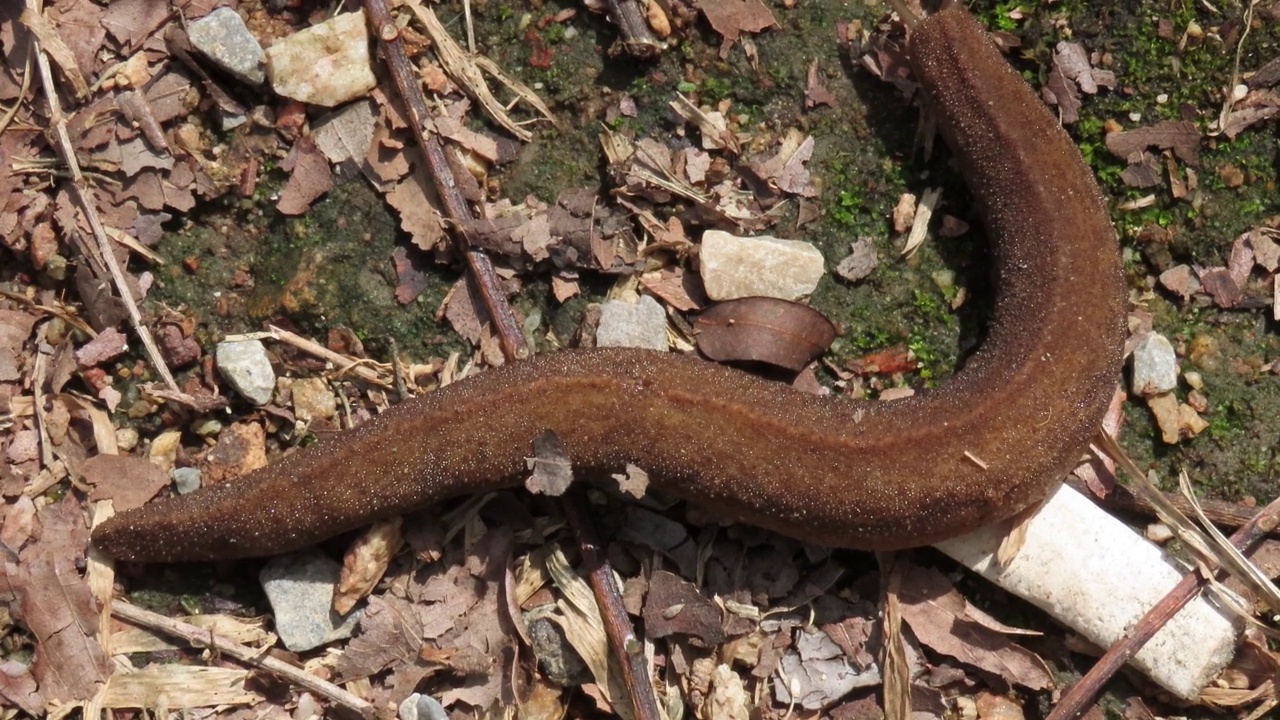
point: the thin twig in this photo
(12, 112)
(1208, 548)
(39, 374)
(1073, 702)
(455, 206)
(471, 29)
(627, 648)
(82, 194)
(199, 637)
(1225, 514)
(366, 370)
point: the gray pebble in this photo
(223, 37)
(186, 479)
(247, 368)
(642, 325)
(300, 588)
(1155, 366)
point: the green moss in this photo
(331, 267)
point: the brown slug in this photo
(875, 475)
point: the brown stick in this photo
(455, 206)
(201, 638)
(627, 649)
(1223, 514)
(638, 39)
(1073, 702)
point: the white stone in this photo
(245, 365)
(735, 267)
(326, 64)
(642, 325)
(1155, 366)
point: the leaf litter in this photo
(140, 127)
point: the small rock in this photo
(127, 438)
(862, 260)
(245, 365)
(998, 707)
(642, 325)
(1194, 379)
(300, 589)
(177, 348)
(896, 393)
(966, 708)
(1155, 366)
(557, 659)
(1176, 420)
(186, 480)
(222, 37)
(1159, 533)
(206, 426)
(421, 707)
(327, 64)
(735, 267)
(109, 344)
(313, 399)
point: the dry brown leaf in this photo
(861, 261)
(109, 345)
(70, 34)
(17, 522)
(1180, 280)
(57, 606)
(551, 466)
(411, 276)
(731, 18)
(660, 534)
(675, 607)
(565, 286)
(18, 687)
(675, 287)
(309, 177)
(1218, 283)
(390, 632)
(132, 21)
(418, 216)
(1143, 171)
(460, 309)
(1266, 251)
(816, 93)
(943, 620)
(758, 329)
(129, 482)
(15, 328)
(634, 482)
(1182, 136)
(183, 685)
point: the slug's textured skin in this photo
(873, 475)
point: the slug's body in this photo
(879, 475)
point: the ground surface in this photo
(233, 262)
